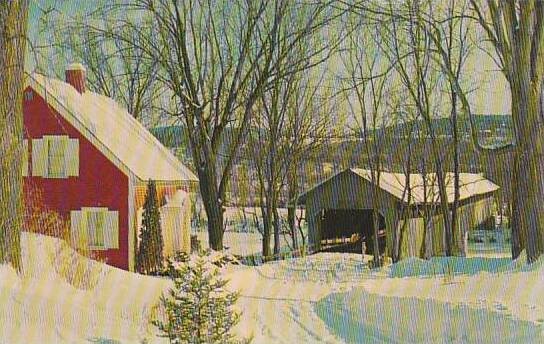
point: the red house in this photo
(91, 160)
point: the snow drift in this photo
(43, 307)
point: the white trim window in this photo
(55, 156)
(56, 151)
(95, 228)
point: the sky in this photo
(490, 94)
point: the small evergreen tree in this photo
(198, 309)
(150, 258)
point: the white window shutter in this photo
(78, 229)
(25, 158)
(71, 157)
(39, 157)
(111, 230)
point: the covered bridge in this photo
(339, 211)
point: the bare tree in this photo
(291, 122)
(411, 46)
(113, 55)
(370, 95)
(216, 59)
(515, 30)
(455, 33)
(309, 123)
(13, 24)
(410, 51)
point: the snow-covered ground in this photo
(322, 298)
(42, 307)
(243, 244)
(241, 237)
(330, 298)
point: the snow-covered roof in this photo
(110, 125)
(471, 184)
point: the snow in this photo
(471, 184)
(361, 317)
(299, 301)
(241, 237)
(326, 298)
(452, 265)
(241, 244)
(42, 307)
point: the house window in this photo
(55, 156)
(56, 152)
(94, 228)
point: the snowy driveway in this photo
(277, 311)
(307, 301)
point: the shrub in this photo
(150, 258)
(39, 219)
(198, 309)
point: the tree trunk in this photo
(267, 230)
(530, 151)
(13, 19)
(456, 229)
(517, 238)
(214, 211)
(213, 205)
(277, 229)
(291, 221)
(375, 217)
(292, 208)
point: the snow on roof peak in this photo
(121, 134)
(471, 184)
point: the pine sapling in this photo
(150, 252)
(198, 309)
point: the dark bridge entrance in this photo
(343, 230)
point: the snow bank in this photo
(437, 266)
(482, 300)
(42, 307)
(331, 297)
(322, 267)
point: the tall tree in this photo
(291, 122)
(13, 24)
(515, 30)
(216, 58)
(370, 94)
(409, 47)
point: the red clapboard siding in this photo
(100, 182)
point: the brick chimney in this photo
(75, 76)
